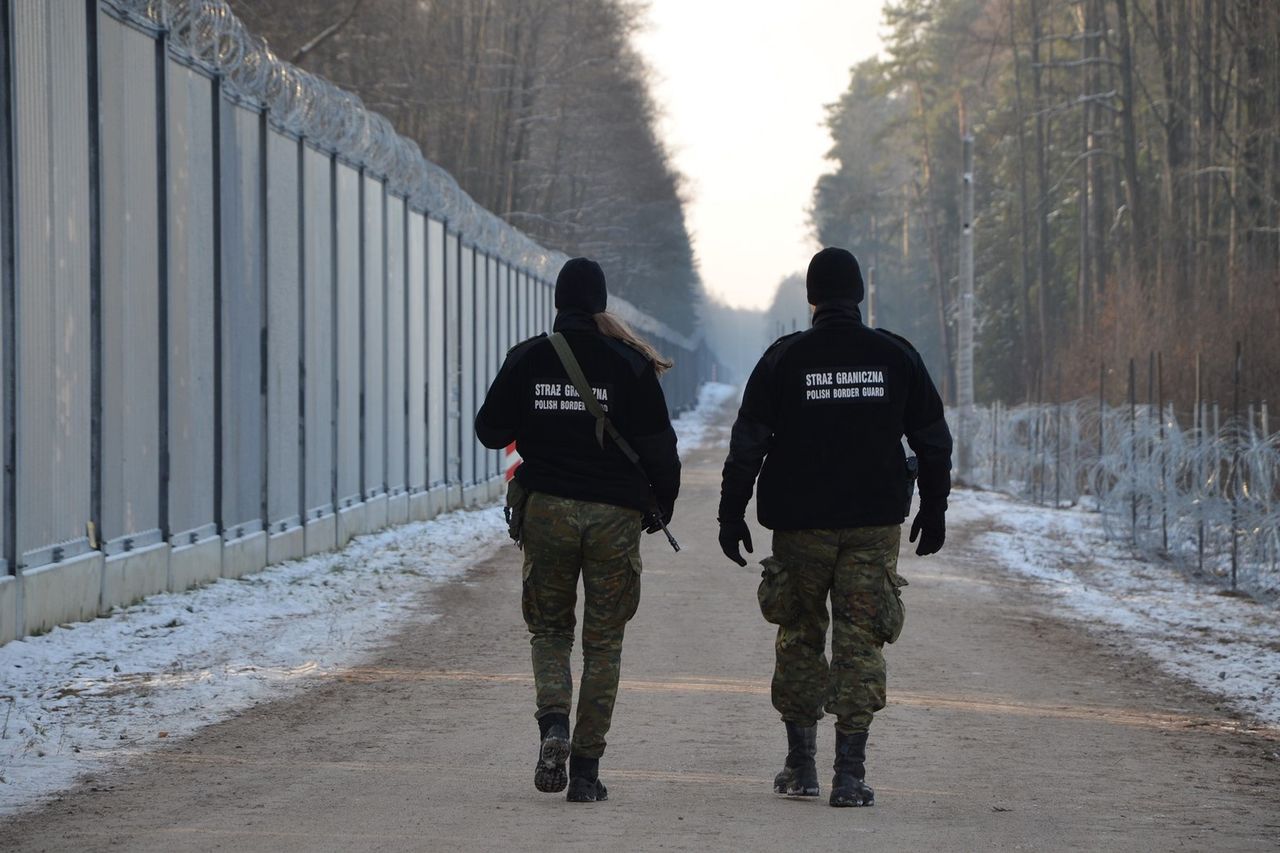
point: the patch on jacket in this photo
(557, 395)
(845, 385)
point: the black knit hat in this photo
(580, 286)
(834, 274)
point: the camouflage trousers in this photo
(857, 567)
(562, 539)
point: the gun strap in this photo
(603, 424)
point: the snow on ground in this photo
(1227, 645)
(694, 427)
(83, 697)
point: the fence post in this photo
(995, 444)
(1042, 445)
(1164, 475)
(1133, 451)
(1235, 465)
(1057, 443)
(1269, 544)
(1102, 407)
(1198, 420)
(1151, 402)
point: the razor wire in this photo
(208, 33)
(1205, 494)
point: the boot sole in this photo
(797, 793)
(851, 804)
(550, 776)
(782, 789)
(591, 797)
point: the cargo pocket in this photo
(529, 597)
(892, 613)
(514, 511)
(629, 598)
(775, 594)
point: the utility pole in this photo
(964, 360)
(873, 271)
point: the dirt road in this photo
(1005, 730)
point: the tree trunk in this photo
(1138, 237)
(1044, 261)
(1030, 341)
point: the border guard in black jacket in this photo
(583, 505)
(823, 415)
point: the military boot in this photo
(584, 781)
(549, 776)
(848, 786)
(799, 775)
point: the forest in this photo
(1126, 164)
(540, 109)
(1127, 171)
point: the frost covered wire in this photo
(1198, 493)
(208, 32)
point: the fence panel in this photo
(242, 290)
(191, 306)
(505, 332)
(52, 279)
(438, 355)
(468, 332)
(374, 349)
(130, 275)
(285, 502)
(454, 341)
(347, 271)
(480, 367)
(501, 336)
(525, 306)
(319, 337)
(416, 330)
(8, 565)
(396, 352)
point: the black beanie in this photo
(834, 274)
(580, 286)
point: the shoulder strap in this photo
(579, 380)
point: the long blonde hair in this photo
(615, 327)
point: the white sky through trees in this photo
(742, 85)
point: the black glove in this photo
(650, 522)
(732, 532)
(930, 525)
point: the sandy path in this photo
(1005, 731)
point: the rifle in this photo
(604, 425)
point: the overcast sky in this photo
(742, 84)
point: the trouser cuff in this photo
(553, 709)
(547, 721)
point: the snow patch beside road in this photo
(1228, 646)
(84, 695)
(695, 426)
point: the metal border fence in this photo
(242, 319)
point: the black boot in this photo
(799, 776)
(848, 786)
(584, 781)
(549, 776)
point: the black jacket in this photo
(533, 403)
(824, 412)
